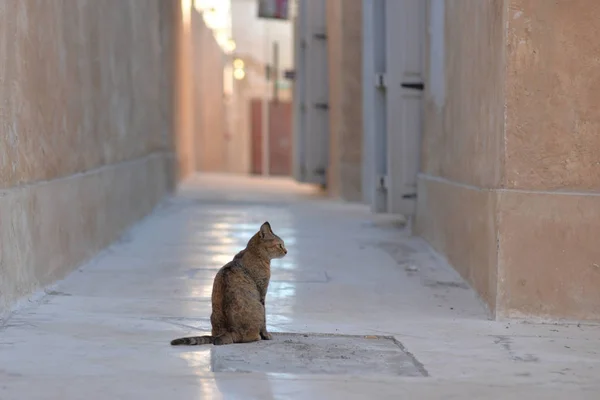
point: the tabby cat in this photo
(239, 290)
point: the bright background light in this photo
(238, 63)
(217, 16)
(239, 74)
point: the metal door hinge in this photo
(380, 81)
(382, 182)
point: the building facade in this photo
(478, 122)
(100, 118)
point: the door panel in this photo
(311, 131)
(374, 105)
(280, 156)
(405, 46)
(256, 149)
(299, 92)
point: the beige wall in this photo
(185, 91)
(208, 108)
(549, 217)
(463, 144)
(344, 46)
(199, 101)
(509, 185)
(86, 130)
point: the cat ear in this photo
(265, 229)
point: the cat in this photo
(239, 290)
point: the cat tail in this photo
(193, 341)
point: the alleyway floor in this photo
(359, 309)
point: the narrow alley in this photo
(432, 166)
(406, 325)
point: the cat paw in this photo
(222, 340)
(218, 342)
(266, 336)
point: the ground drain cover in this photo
(319, 354)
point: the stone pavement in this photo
(358, 308)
